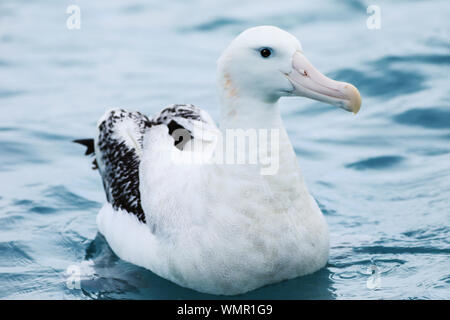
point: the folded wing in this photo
(118, 148)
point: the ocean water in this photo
(382, 178)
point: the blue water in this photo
(382, 177)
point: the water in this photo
(382, 178)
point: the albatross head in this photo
(267, 63)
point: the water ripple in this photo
(430, 233)
(13, 253)
(431, 118)
(68, 200)
(215, 24)
(10, 93)
(376, 163)
(385, 83)
(401, 250)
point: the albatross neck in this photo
(249, 113)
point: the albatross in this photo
(217, 227)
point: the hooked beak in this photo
(309, 82)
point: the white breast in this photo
(222, 229)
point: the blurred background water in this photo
(382, 178)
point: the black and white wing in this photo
(185, 122)
(118, 148)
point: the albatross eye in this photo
(265, 52)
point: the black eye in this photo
(265, 52)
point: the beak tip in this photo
(355, 99)
(356, 108)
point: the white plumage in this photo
(220, 228)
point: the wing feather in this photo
(119, 146)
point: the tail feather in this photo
(89, 144)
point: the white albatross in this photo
(215, 228)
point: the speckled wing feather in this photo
(185, 122)
(119, 146)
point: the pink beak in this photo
(309, 82)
